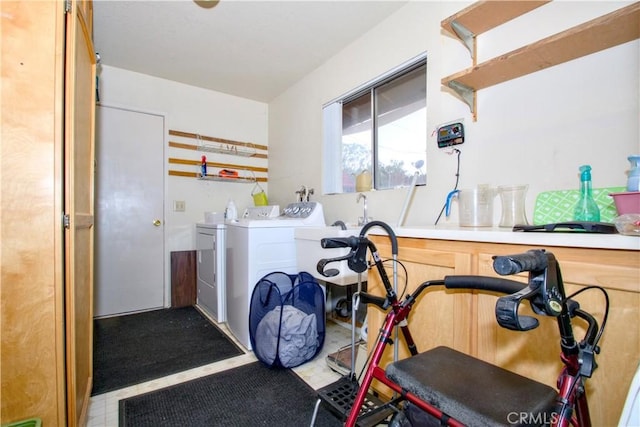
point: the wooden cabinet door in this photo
(439, 316)
(466, 321)
(536, 353)
(79, 208)
(31, 317)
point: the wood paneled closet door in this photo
(80, 73)
(46, 177)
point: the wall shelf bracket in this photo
(613, 29)
(468, 94)
(465, 35)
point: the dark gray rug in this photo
(249, 395)
(140, 347)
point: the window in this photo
(380, 127)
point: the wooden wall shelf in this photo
(607, 31)
(483, 16)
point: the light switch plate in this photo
(178, 206)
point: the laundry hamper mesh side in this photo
(286, 319)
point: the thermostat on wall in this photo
(451, 134)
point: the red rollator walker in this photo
(442, 386)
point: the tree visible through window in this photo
(380, 128)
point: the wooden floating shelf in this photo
(615, 28)
(483, 16)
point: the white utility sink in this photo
(309, 252)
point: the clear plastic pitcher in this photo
(513, 205)
(475, 206)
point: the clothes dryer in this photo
(210, 247)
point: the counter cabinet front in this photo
(465, 320)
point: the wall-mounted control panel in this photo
(451, 134)
(262, 212)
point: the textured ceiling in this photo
(251, 49)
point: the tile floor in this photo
(103, 408)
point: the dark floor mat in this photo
(249, 395)
(140, 347)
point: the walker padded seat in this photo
(474, 392)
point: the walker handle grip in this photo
(340, 242)
(532, 260)
(494, 284)
(381, 302)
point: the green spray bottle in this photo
(586, 209)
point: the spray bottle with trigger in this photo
(586, 209)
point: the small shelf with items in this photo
(242, 172)
(613, 29)
(227, 176)
(225, 179)
(233, 150)
(213, 144)
(218, 176)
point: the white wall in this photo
(190, 109)
(537, 129)
(196, 110)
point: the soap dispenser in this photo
(586, 209)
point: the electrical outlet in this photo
(178, 206)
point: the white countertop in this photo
(505, 235)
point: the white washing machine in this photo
(210, 247)
(258, 245)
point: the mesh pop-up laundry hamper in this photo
(287, 319)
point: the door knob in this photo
(157, 222)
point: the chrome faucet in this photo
(364, 219)
(302, 193)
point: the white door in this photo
(129, 274)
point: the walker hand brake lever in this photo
(507, 311)
(332, 271)
(356, 258)
(352, 242)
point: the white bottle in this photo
(231, 213)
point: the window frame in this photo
(332, 124)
